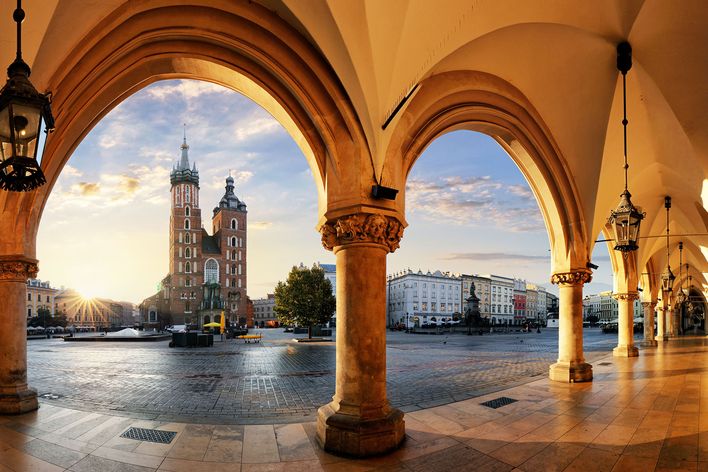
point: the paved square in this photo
(280, 381)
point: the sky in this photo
(104, 231)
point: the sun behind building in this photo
(207, 273)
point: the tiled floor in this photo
(643, 414)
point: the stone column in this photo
(571, 365)
(670, 322)
(15, 395)
(649, 324)
(625, 326)
(359, 421)
(661, 323)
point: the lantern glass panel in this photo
(26, 122)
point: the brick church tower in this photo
(207, 274)
(185, 275)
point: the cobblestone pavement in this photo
(280, 381)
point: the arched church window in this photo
(233, 241)
(188, 267)
(211, 271)
(186, 211)
(234, 224)
(186, 224)
(187, 238)
(186, 194)
(187, 253)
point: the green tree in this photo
(305, 298)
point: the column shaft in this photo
(649, 324)
(571, 365)
(661, 324)
(15, 395)
(625, 328)
(359, 420)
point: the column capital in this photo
(629, 296)
(650, 305)
(18, 268)
(362, 228)
(576, 277)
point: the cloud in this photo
(140, 182)
(494, 256)
(69, 171)
(257, 225)
(475, 201)
(86, 188)
(189, 89)
(245, 130)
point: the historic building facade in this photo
(39, 295)
(417, 298)
(207, 273)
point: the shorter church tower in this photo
(230, 230)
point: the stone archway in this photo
(242, 46)
(482, 102)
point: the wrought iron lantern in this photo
(625, 219)
(681, 297)
(23, 112)
(667, 277)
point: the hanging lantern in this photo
(667, 277)
(23, 113)
(625, 219)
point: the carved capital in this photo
(631, 296)
(18, 269)
(577, 277)
(362, 228)
(650, 305)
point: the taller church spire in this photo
(182, 172)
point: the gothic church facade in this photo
(207, 273)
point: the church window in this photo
(187, 253)
(187, 238)
(186, 224)
(211, 271)
(233, 255)
(186, 211)
(188, 267)
(233, 269)
(233, 241)
(234, 224)
(186, 194)
(188, 282)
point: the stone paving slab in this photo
(278, 380)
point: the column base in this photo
(16, 401)
(625, 351)
(353, 436)
(570, 372)
(662, 338)
(649, 343)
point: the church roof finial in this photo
(184, 161)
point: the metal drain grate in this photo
(499, 402)
(605, 363)
(151, 435)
